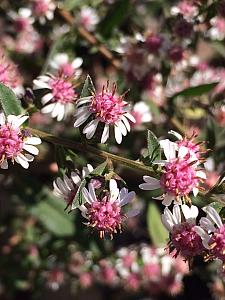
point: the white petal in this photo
(20, 159)
(195, 191)
(33, 140)
(169, 149)
(189, 212)
(90, 128)
(214, 216)
(46, 98)
(76, 178)
(118, 134)
(122, 127)
(132, 213)
(128, 198)
(114, 191)
(201, 174)
(168, 198)
(92, 192)
(77, 62)
(31, 149)
(82, 118)
(2, 118)
(150, 183)
(61, 113)
(87, 196)
(182, 151)
(56, 110)
(176, 134)
(126, 123)
(130, 117)
(48, 108)
(177, 214)
(105, 134)
(38, 84)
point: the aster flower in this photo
(60, 95)
(22, 20)
(62, 64)
(183, 237)
(217, 31)
(105, 212)
(180, 176)
(212, 233)
(68, 187)
(43, 10)
(88, 18)
(9, 74)
(105, 108)
(142, 114)
(186, 8)
(16, 143)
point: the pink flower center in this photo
(21, 24)
(11, 142)
(153, 43)
(105, 217)
(107, 106)
(186, 240)
(179, 178)
(62, 91)
(40, 7)
(67, 69)
(217, 243)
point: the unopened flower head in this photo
(183, 237)
(16, 143)
(180, 175)
(65, 67)
(107, 108)
(68, 187)
(105, 212)
(60, 97)
(212, 232)
(43, 10)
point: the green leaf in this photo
(50, 212)
(157, 231)
(196, 90)
(115, 17)
(87, 88)
(79, 199)
(153, 147)
(9, 103)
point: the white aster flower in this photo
(16, 143)
(105, 108)
(68, 187)
(61, 63)
(60, 95)
(105, 212)
(179, 177)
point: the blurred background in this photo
(170, 57)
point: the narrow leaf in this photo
(9, 103)
(196, 90)
(87, 88)
(157, 231)
(153, 147)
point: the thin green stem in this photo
(99, 153)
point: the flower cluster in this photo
(134, 268)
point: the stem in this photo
(89, 149)
(91, 39)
